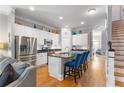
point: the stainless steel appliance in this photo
(25, 48)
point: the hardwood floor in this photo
(93, 77)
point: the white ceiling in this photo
(72, 14)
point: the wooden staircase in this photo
(118, 45)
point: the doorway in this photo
(97, 42)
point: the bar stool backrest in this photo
(79, 60)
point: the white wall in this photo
(104, 41)
(21, 30)
(4, 32)
(6, 27)
(122, 12)
(116, 12)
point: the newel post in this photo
(110, 82)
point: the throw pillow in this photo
(19, 68)
(6, 75)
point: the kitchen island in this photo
(56, 65)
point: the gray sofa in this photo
(27, 77)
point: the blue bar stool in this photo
(73, 67)
(85, 64)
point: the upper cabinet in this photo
(80, 40)
(21, 30)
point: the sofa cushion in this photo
(7, 59)
(6, 75)
(19, 68)
(2, 58)
(10, 60)
(3, 64)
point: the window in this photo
(96, 40)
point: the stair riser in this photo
(117, 32)
(119, 63)
(118, 44)
(118, 36)
(119, 70)
(119, 58)
(121, 79)
(118, 40)
(119, 52)
(118, 48)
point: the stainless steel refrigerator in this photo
(25, 49)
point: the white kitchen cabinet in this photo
(21, 30)
(41, 59)
(56, 66)
(80, 40)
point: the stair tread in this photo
(118, 74)
(117, 45)
(117, 60)
(118, 31)
(119, 54)
(118, 35)
(118, 50)
(117, 42)
(117, 38)
(119, 83)
(118, 66)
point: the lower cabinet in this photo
(41, 59)
(55, 67)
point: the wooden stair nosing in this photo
(118, 39)
(118, 66)
(118, 74)
(119, 60)
(118, 50)
(118, 30)
(119, 83)
(117, 33)
(117, 42)
(117, 45)
(117, 36)
(118, 54)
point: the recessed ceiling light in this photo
(92, 11)
(82, 22)
(66, 25)
(60, 17)
(31, 8)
